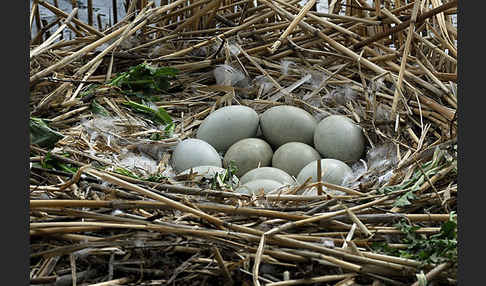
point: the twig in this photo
(405, 24)
(411, 30)
(322, 217)
(434, 272)
(326, 278)
(61, 13)
(292, 25)
(222, 265)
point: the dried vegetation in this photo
(108, 105)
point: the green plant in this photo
(156, 136)
(411, 185)
(145, 78)
(97, 108)
(51, 162)
(160, 114)
(125, 172)
(89, 90)
(432, 249)
(156, 178)
(41, 134)
(227, 179)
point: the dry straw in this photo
(391, 66)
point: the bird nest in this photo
(108, 106)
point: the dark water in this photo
(103, 7)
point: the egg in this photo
(248, 154)
(192, 153)
(255, 187)
(207, 172)
(338, 137)
(269, 173)
(227, 125)
(333, 171)
(285, 123)
(293, 156)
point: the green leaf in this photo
(89, 89)
(51, 162)
(156, 136)
(45, 163)
(157, 178)
(448, 229)
(169, 129)
(160, 115)
(41, 134)
(166, 72)
(224, 179)
(385, 248)
(126, 172)
(145, 78)
(97, 108)
(404, 200)
(432, 249)
(68, 168)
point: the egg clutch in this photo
(280, 147)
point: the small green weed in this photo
(145, 79)
(41, 134)
(97, 108)
(413, 184)
(160, 115)
(227, 179)
(50, 162)
(432, 249)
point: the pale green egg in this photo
(293, 156)
(227, 125)
(333, 171)
(248, 154)
(338, 137)
(286, 123)
(254, 187)
(269, 173)
(192, 153)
